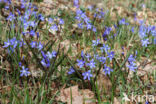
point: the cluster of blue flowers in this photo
(99, 13)
(83, 19)
(123, 22)
(47, 57)
(76, 3)
(89, 63)
(11, 44)
(28, 22)
(132, 65)
(52, 22)
(106, 32)
(145, 32)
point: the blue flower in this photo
(24, 72)
(80, 63)
(39, 46)
(91, 64)
(107, 31)
(107, 70)
(45, 62)
(145, 42)
(32, 23)
(32, 33)
(132, 29)
(71, 70)
(38, 35)
(102, 59)
(87, 20)
(78, 18)
(105, 47)
(142, 34)
(99, 16)
(82, 54)
(6, 44)
(78, 12)
(154, 40)
(88, 56)
(95, 15)
(10, 50)
(122, 21)
(96, 56)
(27, 15)
(41, 17)
(13, 42)
(6, 7)
(33, 44)
(111, 55)
(54, 27)
(25, 24)
(54, 53)
(89, 26)
(61, 22)
(94, 29)
(50, 20)
(95, 42)
(20, 64)
(76, 3)
(153, 32)
(90, 7)
(83, 15)
(102, 13)
(51, 55)
(11, 17)
(132, 66)
(80, 25)
(142, 31)
(22, 43)
(87, 75)
(131, 58)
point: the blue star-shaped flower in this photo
(111, 55)
(39, 46)
(33, 44)
(145, 42)
(95, 42)
(107, 70)
(87, 75)
(32, 33)
(71, 70)
(24, 72)
(89, 26)
(80, 63)
(102, 59)
(50, 55)
(61, 22)
(105, 47)
(54, 27)
(132, 66)
(91, 64)
(45, 62)
(6, 44)
(131, 58)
